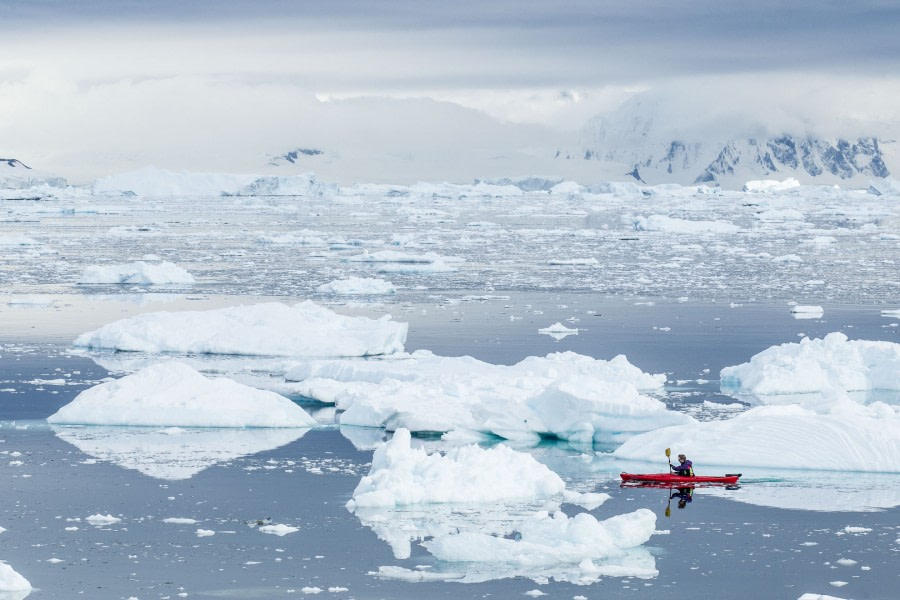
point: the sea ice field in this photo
(236, 386)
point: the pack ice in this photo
(268, 329)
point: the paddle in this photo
(669, 456)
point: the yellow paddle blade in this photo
(668, 452)
(668, 511)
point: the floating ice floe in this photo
(402, 475)
(858, 438)
(891, 313)
(269, 329)
(573, 261)
(563, 395)
(101, 520)
(833, 363)
(541, 546)
(16, 240)
(173, 453)
(558, 331)
(174, 394)
(357, 286)
(672, 225)
(140, 272)
(11, 581)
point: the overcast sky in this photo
(134, 80)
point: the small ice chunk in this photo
(205, 532)
(100, 520)
(279, 529)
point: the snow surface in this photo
(174, 394)
(272, 329)
(831, 364)
(564, 395)
(12, 581)
(402, 475)
(357, 285)
(140, 272)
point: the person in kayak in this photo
(685, 469)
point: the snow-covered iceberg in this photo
(173, 453)
(563, 395)
(402, 475)
(831, 364)
(854, 438)
(139, 272)
(268, 329)
(668, 224)
(174, 394)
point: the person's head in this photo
(682, 457)
(682, 503)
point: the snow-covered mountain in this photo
(653, 148)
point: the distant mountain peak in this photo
(293, 155)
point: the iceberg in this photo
(268, 329)
(403, 475)
(672, 225)
(771, 185)
(173, 453)
(541, 546)
(857, 438)
(12, 581)
(833, 363)
(140, 272)
(174, 394)
(357, 285)
(563, 395)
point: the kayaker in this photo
(685, 469)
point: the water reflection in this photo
(173, 453)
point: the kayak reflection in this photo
(682, 492)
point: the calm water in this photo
(739, 544)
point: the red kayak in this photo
(670, 479)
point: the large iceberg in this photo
(402, 475)
(851, 438)
(563, 395)
(139, 272)
(269, 329)
(831, 364)
(174, 394)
